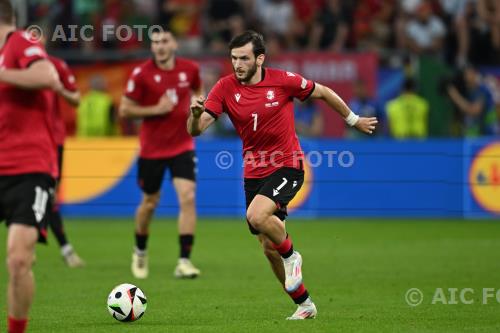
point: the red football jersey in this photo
(164, 136)
(26, 140)
(263, 117)
(68, 80)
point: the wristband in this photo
(352, 119)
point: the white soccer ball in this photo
(127, 302)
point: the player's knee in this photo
(256, 218)
(151, 201)
(19, 264)
(187, 198)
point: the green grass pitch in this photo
(356, 271)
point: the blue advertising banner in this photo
(373, 178)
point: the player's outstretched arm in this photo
(366, 125)
(130, 109)
(40, 75)
(199, 120)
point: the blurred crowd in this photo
(459, 31)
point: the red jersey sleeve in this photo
(214, 104)
(298, 86)
(65, 75)
(135, 87)
(27, 50)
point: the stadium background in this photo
(444, 173)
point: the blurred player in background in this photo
(159, 92)
(259, 102)
(69, 92)
(28, 158)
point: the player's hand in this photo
(164, 106)
(197, 106)
(366, 125)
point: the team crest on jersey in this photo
(270, 95)
(183, 76)
(157, 78)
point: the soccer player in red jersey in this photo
(27, 157)
(159, 91)
(69, 92)
(259, 102)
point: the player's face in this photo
(245, 64)
(163, 46)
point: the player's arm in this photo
(131, 109)
(366, 125)
(199, 120)
(470, 108)
(72, 97)
(40, 75)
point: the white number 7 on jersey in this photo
(255, 116)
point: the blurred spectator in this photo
(363, 105)
(308, 119)
(224, 20)
(407, 114)
(330, 28)
(493, 86)
(476, 104)
(183, 17)
(96, 113)
(424, 34)
(372, 26)
(276, 17)
(478, 32)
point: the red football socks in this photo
(285, 248)
(17, 325)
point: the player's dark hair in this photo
(6, 12)
(161, 28)
(249, 36)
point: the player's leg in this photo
(151, 174)
(25, 203)
(306, 309)
(266, 213)
(21, 242)
(183, 173)
(69, 255)
(273, 257)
